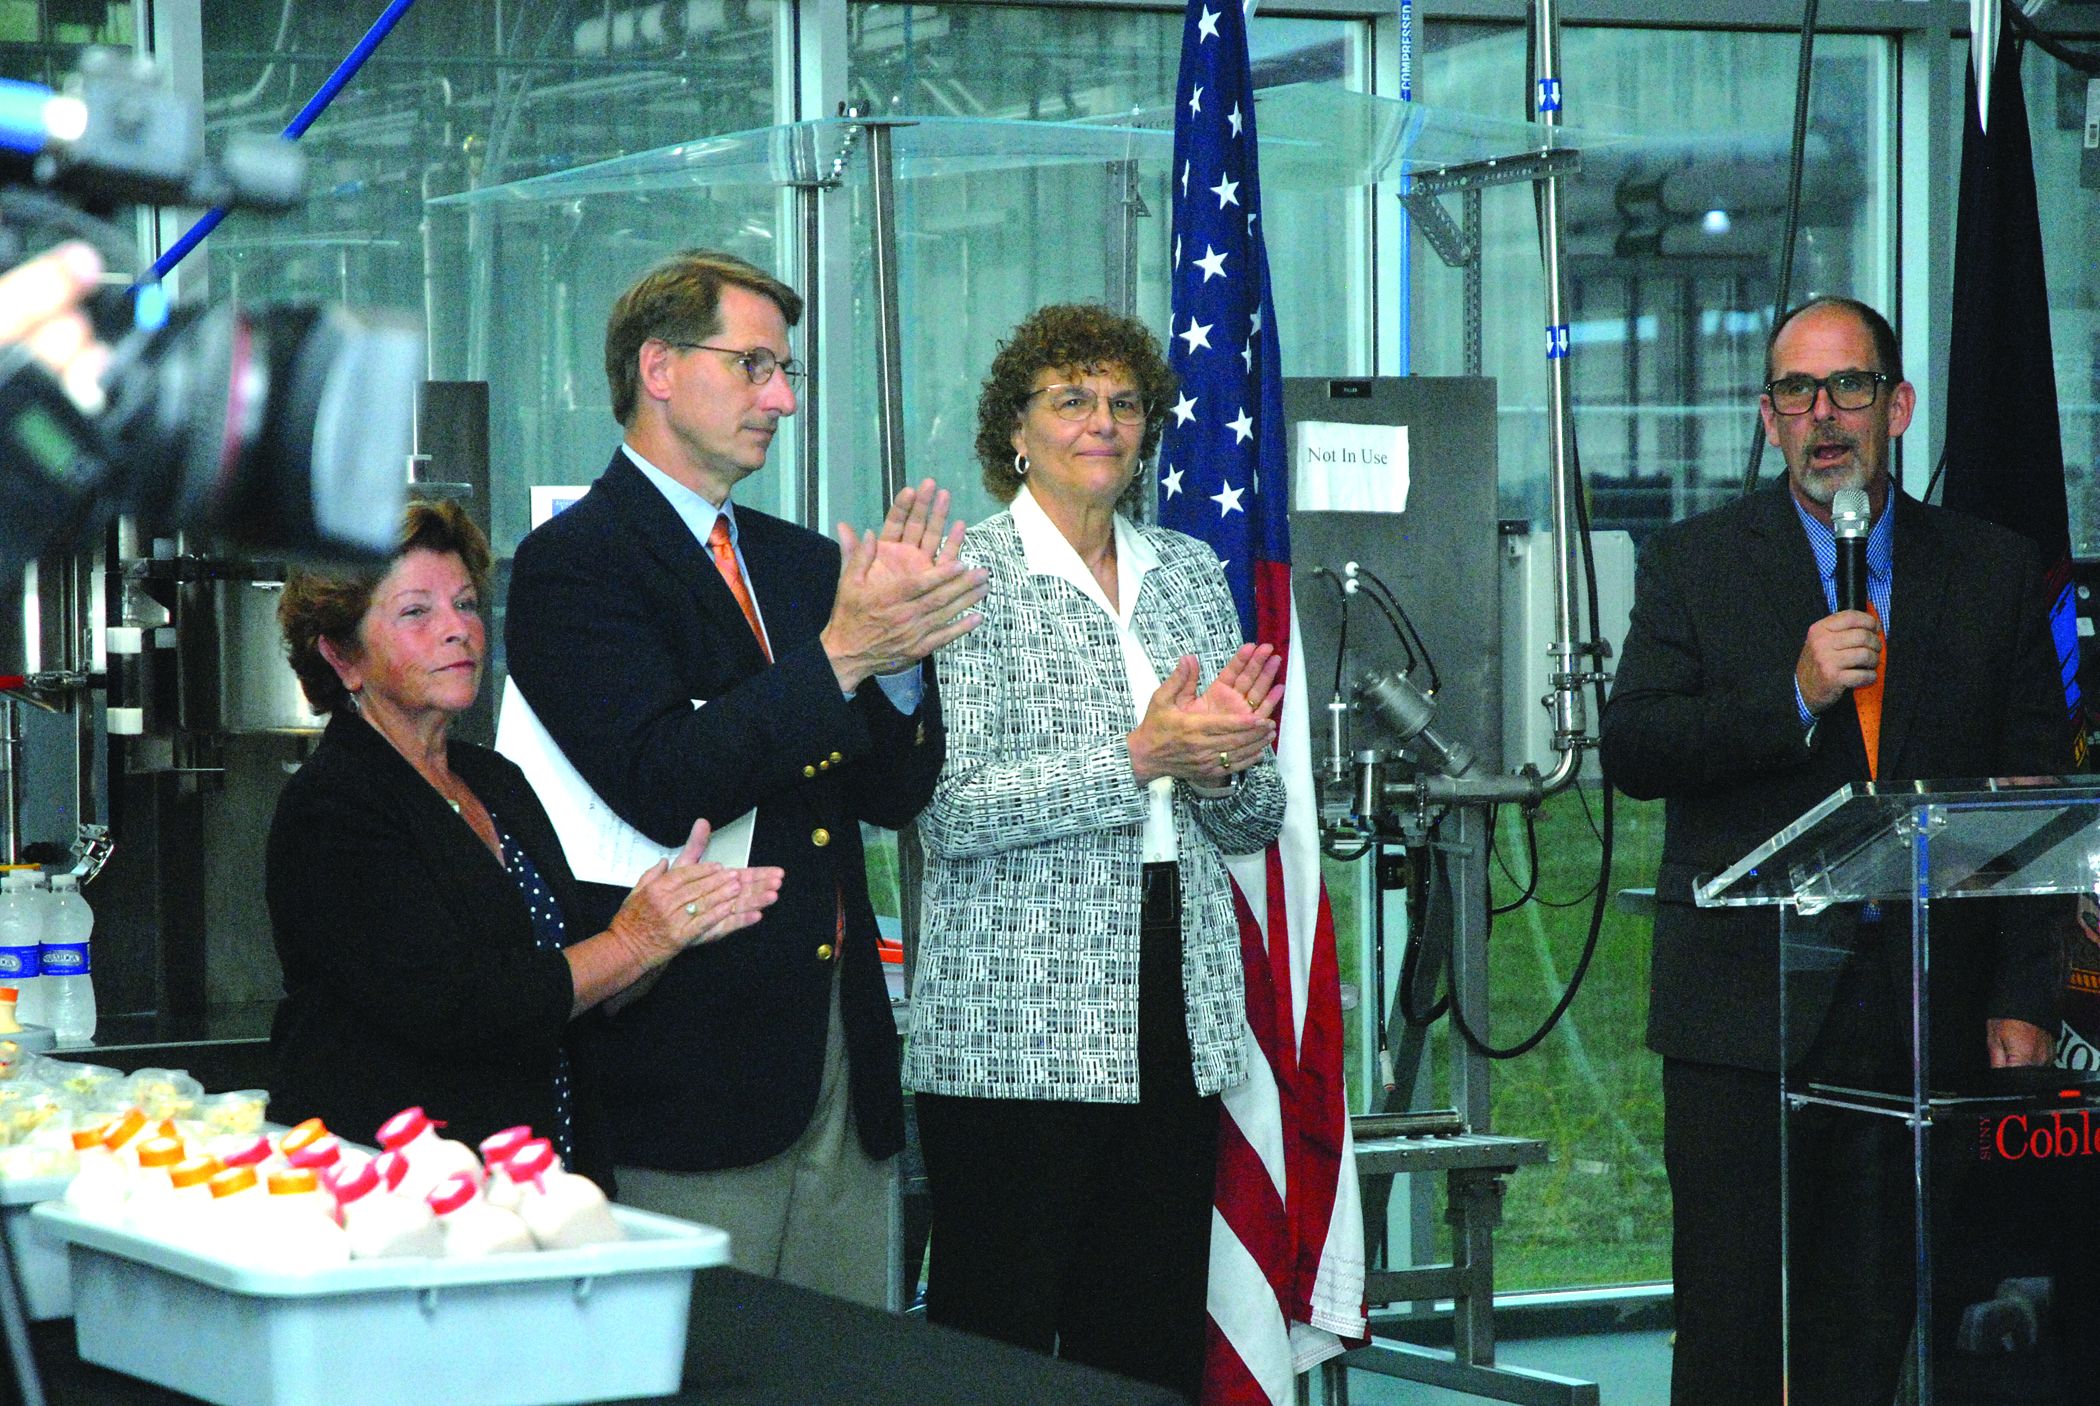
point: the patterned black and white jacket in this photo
(1027, 974)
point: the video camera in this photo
(284, 430)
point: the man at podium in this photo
(1747, 694)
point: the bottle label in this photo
(65, 959)
(17, 963)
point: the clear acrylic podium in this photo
(1922, 1187)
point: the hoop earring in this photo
(1020, 466)
(357, 700)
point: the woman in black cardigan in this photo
(417, 891)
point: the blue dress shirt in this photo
(1881, 565)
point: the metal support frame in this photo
(1122, 241)
(1471, 292)
(1475, 1162)
(1458, 244)
(889, 345)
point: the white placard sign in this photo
(1350, 468)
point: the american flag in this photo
(1287, 1256)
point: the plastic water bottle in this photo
(21, 929)
(68, 972)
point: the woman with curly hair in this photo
(1078, 1004)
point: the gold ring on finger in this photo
(1224, 762)
(692, 910)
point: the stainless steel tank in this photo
(258, 692)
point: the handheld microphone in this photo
(1849, 520)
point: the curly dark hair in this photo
(1072, 338)
(319, 605)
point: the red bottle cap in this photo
(250, 1155)
(452, 1193)
(501, 1147)
(404, 1127)
(321, 1152)
(532, 1162)
(392, 1167)
(348, 1182)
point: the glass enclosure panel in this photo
(39, 43)
(1671, 247)
(978, 252)
(468, 93)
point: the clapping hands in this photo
(1208, 737)
(688, 900)
(902, 591)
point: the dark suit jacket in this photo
(1702, 714)
(617, 622)
(410, 973)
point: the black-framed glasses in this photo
(1078, 402)
(759, 363)
(1849, 390)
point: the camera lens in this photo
(286, 429)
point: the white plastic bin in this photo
(589, 1324)
(39, 1251)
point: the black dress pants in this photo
(1851, 1230)
(1084, 1228)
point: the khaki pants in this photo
(822, 1214)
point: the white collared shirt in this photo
(1049, 554)
(905, 690)
(699, 517)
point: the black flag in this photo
(2004, 456)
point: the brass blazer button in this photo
(808, 772)
(836, 759)
(823, 766)
(820, 837)
(823, 951)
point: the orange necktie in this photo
(733, 577)
(1867, 701)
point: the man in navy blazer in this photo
(1735, 703)
(695, 658)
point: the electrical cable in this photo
(1382, 590)
(1792, 227)
(1386, 606)
(1420, 899)
(1341, 648)
(1531, 850)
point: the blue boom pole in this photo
(295, 129)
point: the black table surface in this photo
(761, 1343)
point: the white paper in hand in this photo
(601, 847)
